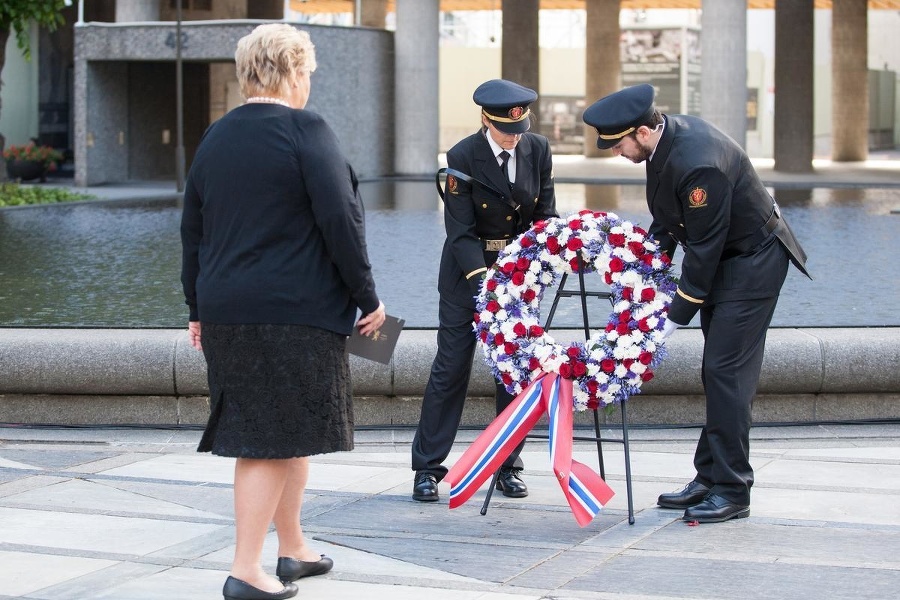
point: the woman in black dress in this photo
(275, 270)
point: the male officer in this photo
(508, 184)
(704, 195)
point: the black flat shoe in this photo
(511, 484)
(693, 493)
(290, 569)
(425, 487)
(716, 509)
(235, 589)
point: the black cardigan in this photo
(273, 228)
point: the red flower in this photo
(523, 263)
(608, 365)
(616, 239)
(593, 386)
(535, 331)
(665, 258)
(575, 224)
(529, 295)
(627, 293)
(647, 259)
(499, 340)
(565, 370)
(616, 264)
(518, 278)
(647, 375)
(607, 278)
(572, 352)
(491, 285)
(579, 369)
(640, 231)
(492, 306)
(573, 264)
(539, 226)
(625, 316)
(519, 329)
(593, 404)
(507, 380)
(574, 244)
(483, 336)
(648, 294)
(636, 248)
(553, 245)
(628, 362)
(508, 267)
(510, 348)
(476, 318)
(623, 329)
(645, 357)
(526, 242)
(534, 364)
(643, 326)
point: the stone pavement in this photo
(137, 514)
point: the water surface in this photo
(116, 264)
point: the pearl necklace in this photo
(266, 100)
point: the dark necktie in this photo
(504, 156)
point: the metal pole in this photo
(179, 105)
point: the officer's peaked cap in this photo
(620, 113)
(505, 103)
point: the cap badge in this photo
(516, 112)
(697, 197)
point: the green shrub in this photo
(13, 194)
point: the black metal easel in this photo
(561, 292)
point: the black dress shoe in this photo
(235, 589)
(715, 509)
(693, 493)
(290, 569)
(511, 484)
(425, 487)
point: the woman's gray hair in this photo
(269, 57)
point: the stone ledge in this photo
(153, 376)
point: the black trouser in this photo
(445, 394)
(734, 335)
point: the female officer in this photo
(509, 185)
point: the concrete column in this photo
(416, 87)
(135, 11)
(603, 63)
(521, 52)
(265, 9)
(723, 83)
(849, 80)
(793, 122)
(373, 13)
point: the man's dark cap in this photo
(505, 103)
(620, 113)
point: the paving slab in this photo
(137, 514)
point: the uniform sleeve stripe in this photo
(476, 272)
(689, 298)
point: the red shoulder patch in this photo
(697, 197)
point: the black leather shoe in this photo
(511, 484)
(693, 493)
(425, 487)
(235, 589)
(715, 509)
(291, 569)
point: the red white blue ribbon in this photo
(585, 491)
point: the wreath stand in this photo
(581, 292)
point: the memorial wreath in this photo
(556, 379)
(613, 363)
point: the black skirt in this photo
(276, 391)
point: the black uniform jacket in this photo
(704, 194)
(473, 213)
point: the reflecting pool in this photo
(116, 264)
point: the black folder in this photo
(378, 345)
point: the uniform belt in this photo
(495, 245)
(749, 242)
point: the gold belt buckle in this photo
(494, 245)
